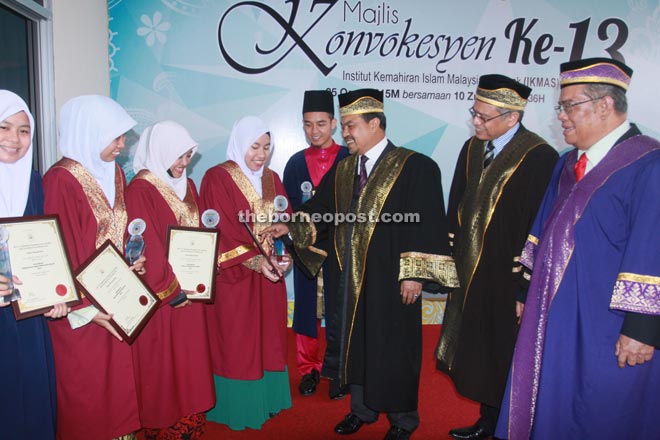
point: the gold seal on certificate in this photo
(39, 259)
(114, 288)
(193, 253)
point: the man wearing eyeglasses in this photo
(499, 181)
(584, 364)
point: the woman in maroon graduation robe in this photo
(247, 323)
(96, 392)
(172, 359)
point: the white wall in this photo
(80, 38)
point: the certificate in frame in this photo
(109, 283)
(193, 256)
(40, 259)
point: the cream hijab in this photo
(88, 124)
(160, 146)
(245, 132)
(15, 177)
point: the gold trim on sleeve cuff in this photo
(303, 232)
(438, 268)
(170, 289)
(236, 252)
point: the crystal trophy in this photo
(135, 245)
(279, 251)
(210, 218)
(306, 188)
(5, 267)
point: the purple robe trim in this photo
(554, 251)
(632, 295)
(529, 251)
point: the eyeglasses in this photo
(566, 108)
(482, 118)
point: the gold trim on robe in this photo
(111, 222)
(263, 207)
(483, 189)
(173, 287)
(484, 192)
(437, 268)
(185, 211)
(371, 200)
(236, 252)
(304, 233)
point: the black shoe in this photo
(396, 433)
(470, 433)
(350, 425)
(308, 383)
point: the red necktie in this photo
(580, 167)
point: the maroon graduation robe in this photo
(247, 323)
(96, 392)
(171, 355)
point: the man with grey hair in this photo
(583, 365)
(499, 181)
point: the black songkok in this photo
(318, 101)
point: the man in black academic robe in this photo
(499, 181)
(377, 267)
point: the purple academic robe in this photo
(596, 270)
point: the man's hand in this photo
(275, 231)
(632, 352)
(520, 307)
(410, 291)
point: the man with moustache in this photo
(303, 173)
(376, 269)
(584, 363)
(500, 178)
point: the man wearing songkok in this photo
(584, 366)
(500, 178)
(302, 174)
(376, 269)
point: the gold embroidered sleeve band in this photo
(236, 252)
(170, 289)
(438, 268)
(304, 236)
(636, 293)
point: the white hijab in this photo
(245, 132)
(88, 124)
(160, 146)
(15, 177)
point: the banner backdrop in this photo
(206, 63)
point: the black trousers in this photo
(405, 420)
(488, 417)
